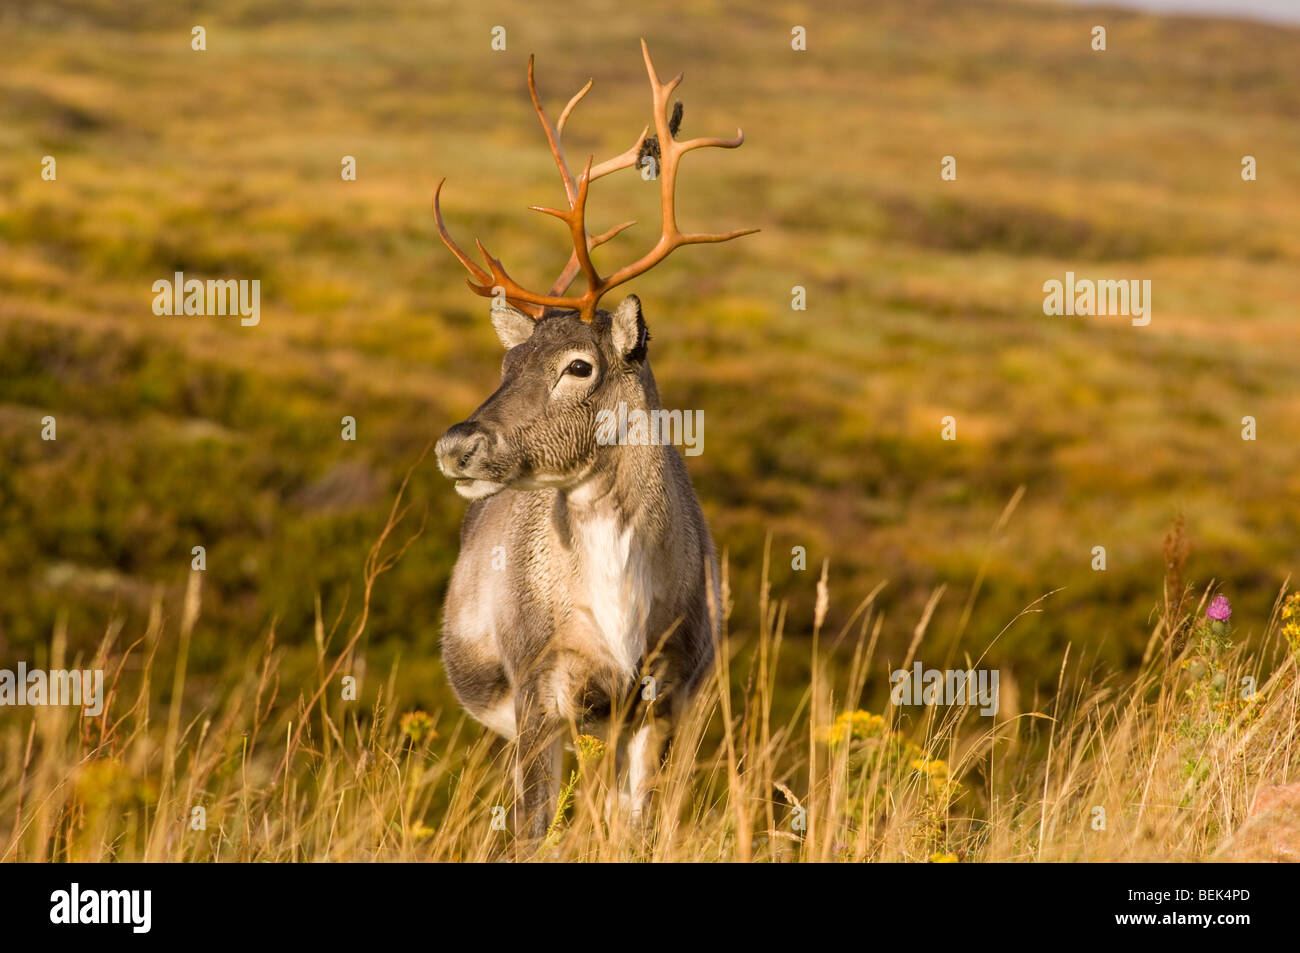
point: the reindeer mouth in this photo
(472, 489)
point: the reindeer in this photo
(607, 603)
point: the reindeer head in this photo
(567, 360)
(539, 428)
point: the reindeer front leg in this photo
(644, 750)
(538, 758)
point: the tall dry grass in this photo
(1160, 766)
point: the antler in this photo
(483, 282)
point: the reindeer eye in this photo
(578, 369)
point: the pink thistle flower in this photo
(1220, 610)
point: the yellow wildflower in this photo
(589, 748)
(853, 725)
(417, 725)
(938, 857)
(932, 767)
(1291, 621)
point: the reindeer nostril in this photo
(472, 447)
(458, 447)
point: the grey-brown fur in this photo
(605, 557)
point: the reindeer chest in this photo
(610, 594)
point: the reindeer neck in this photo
(629, 483)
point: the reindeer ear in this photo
(512, 327)
(628, 330)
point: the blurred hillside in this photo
(822, 426)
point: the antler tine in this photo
(553, 132)
(671, 152)
(623, 160)
(576, 219)
(530, 301)
(469, 263)
(571, 269)
(577, 97)
(482, 282)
